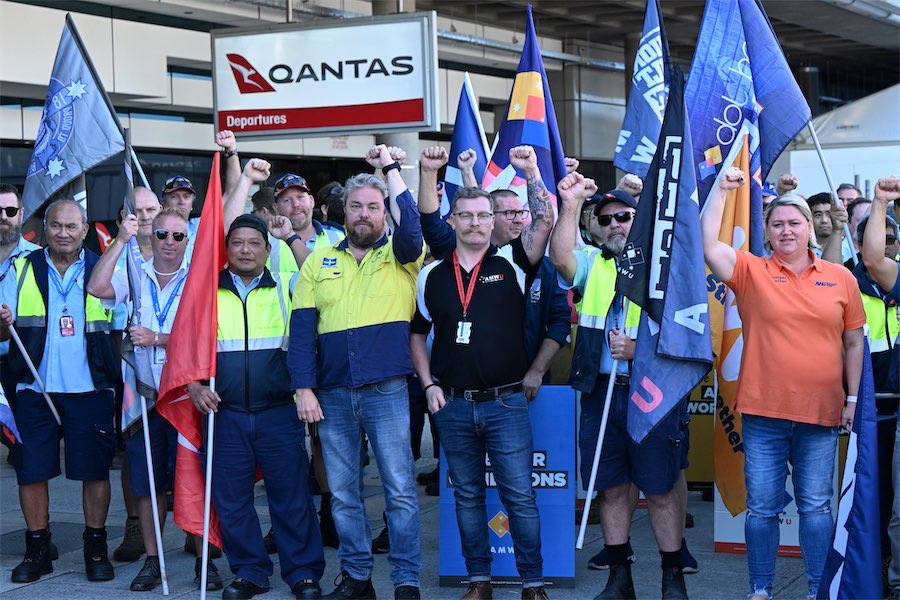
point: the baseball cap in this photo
(614, 196)
(288, 181)
(179, 182)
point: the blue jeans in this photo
(502, 428)
(769, 445)
(381, 410)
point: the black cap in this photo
(251, 221)
(615, 196)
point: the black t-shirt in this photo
(495, 355)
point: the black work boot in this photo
(96, 557)
(37, 557)
(348, 587)
(673, 587)
(619, 586)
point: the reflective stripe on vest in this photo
(599, 291)
(882, 322)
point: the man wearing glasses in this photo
(606, 337)
(473, 381)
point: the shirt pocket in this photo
(329, 287)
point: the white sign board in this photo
(375, 75)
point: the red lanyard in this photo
(465, 295)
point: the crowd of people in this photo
(467, 314)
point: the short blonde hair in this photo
(800, 204)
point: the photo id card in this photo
(66, 326)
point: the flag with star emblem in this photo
(529, 120)
(79, 128)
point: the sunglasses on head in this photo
(162, 234)
(11, 211)
(621, 217)
(290, 180)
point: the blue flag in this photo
(78, 127)
(740, 86)
(661, 270)
(853, 565)
(647, 99)
(529, 120)
(468, 132)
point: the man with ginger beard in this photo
(353, 297)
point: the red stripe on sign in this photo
(275, 119)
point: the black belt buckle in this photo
(623, 379)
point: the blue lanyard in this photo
(162, 313)
(57, 283)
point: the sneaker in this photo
(269, 542)
(96, 558)
(600, 561)
(673, 587)
(689, 564)
(348, 587)
(407, 592)
(213, 579)
(132, 546)
(37, 557)
(148, 577)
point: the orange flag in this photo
(728, 344)
(191, 356)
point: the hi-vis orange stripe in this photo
(728, 443)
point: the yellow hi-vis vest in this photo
(883, 324)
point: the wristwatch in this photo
(229, 153)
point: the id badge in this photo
(66, 326)
(463, 332)
(159, 355)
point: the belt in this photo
(483, 395)
(621, 378)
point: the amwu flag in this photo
(853, 565)
(79, 128)
(529, 120)
(191, 356)
(661, 270)
(647, 99)
(468, 132)
(744, 107)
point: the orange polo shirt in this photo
(792, 366)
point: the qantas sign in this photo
(290, 80)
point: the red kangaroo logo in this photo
(249, 80)
(656, 396)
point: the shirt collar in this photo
(344, 244)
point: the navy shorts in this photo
(163, 446)
(653, 466)
(88, 426)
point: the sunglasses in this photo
(11, 211)
(162, 234)
(620, 217)
(174, 183)
(290, 180)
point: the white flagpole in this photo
(207, 495)
(600, 437)
(157, 528)
(847, 234)
(33, 369)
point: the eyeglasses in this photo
(290, 180)
(889, 239)
(162, 234)
(620, 217)
(11, 211)
(512, 214)
(467, 217)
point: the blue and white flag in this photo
(9, 432)
(647, 99)
(661, 270)
(78, 128)
(740, 87)
(468, 132)
(853, 565)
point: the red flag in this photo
(191, 354)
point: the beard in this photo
(363, 237)
(9, 235)
(616, 244)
